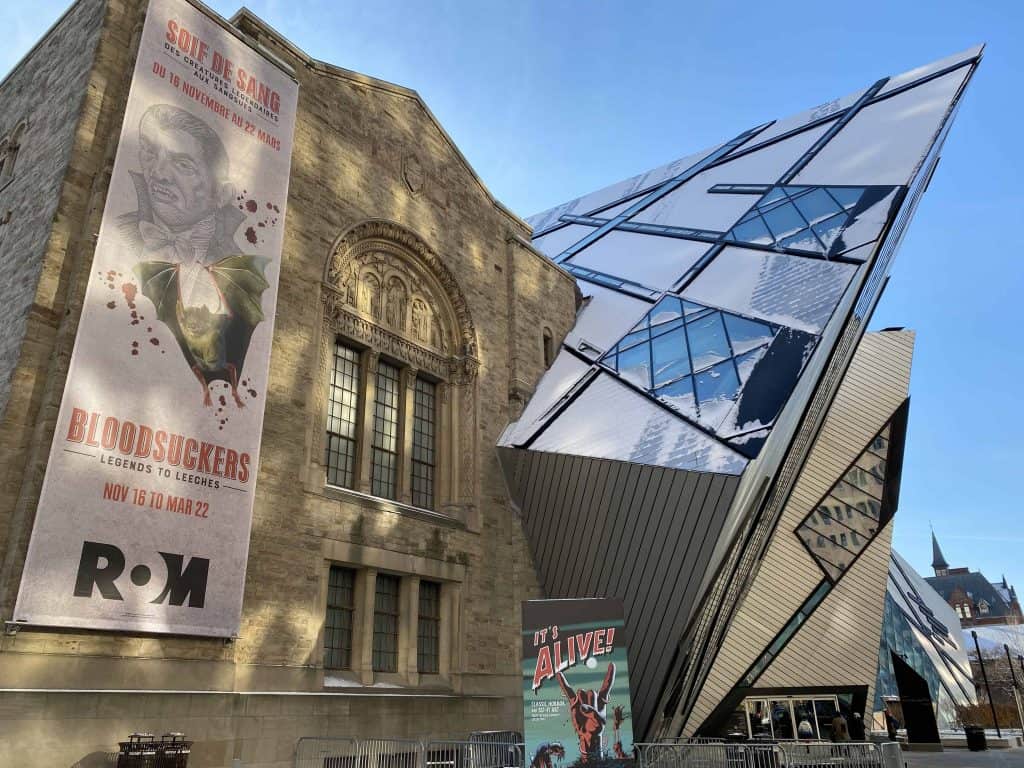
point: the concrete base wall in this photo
(80, 730)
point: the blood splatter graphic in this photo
(154, 341)
(250, 235)
(252, 393)
(111, 305)
(222, 401)
(129, 290)
(251, 206)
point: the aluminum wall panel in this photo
(874, 386)
(643, 534)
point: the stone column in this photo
(408, 629)
(362, 631)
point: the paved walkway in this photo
(962, 758)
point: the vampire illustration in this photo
(204, 289)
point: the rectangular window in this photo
(385, 624)
(385, 432)
(338, 625)
(343, 417)
(428, 649)
(423, 447)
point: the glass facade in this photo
(692, 358)
(851, 514)
(922, 629)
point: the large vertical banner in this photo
(576, 705)
(143, 523)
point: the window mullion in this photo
(364, 450)
(405, 428)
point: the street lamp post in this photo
(1016, 693)
(984, 677)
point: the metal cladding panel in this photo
(643, 534)
(875, 386)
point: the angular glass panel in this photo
(834, 548)
(846, 196)
(671, 325)
(667, 309)
(745, 363)
(670, 357)
(635, 365)
(554, 243)
(787, 290)
(752, 231)
(857, 499)
(784, 221)
(719, 382)
(693, 309)
(849, 517)
(804, 240)
(650, 260)
(745, 334)
(880, 445)
(885, 141)
(634, 338)
(776, 193)
(870, 475)
(817, 205)
(708, 344)
(830, 229)
(679, 395)
(611, 421)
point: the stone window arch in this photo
(388, 299)
(10, 147)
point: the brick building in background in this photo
(403, 283)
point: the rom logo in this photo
(101, 565)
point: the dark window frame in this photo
(386, 622)
(428, 629)
(339, 618)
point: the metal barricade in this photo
(476, 753)
(390, 753)
(804, 754)
(497, 749)
(314, 752)
(892, 755)
(687, 754)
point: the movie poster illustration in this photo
(576, 706)
(144, 518)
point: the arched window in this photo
(397, 411)
(10, 147)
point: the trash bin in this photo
(173, 751)
(138, 752)
(142, 750)
(975, 738)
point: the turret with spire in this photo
(939, 564)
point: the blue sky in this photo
(549, 100)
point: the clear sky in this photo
(550, 99)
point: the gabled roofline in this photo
(245, 18)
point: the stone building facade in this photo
(397, 259)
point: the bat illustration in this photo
(214, 344)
